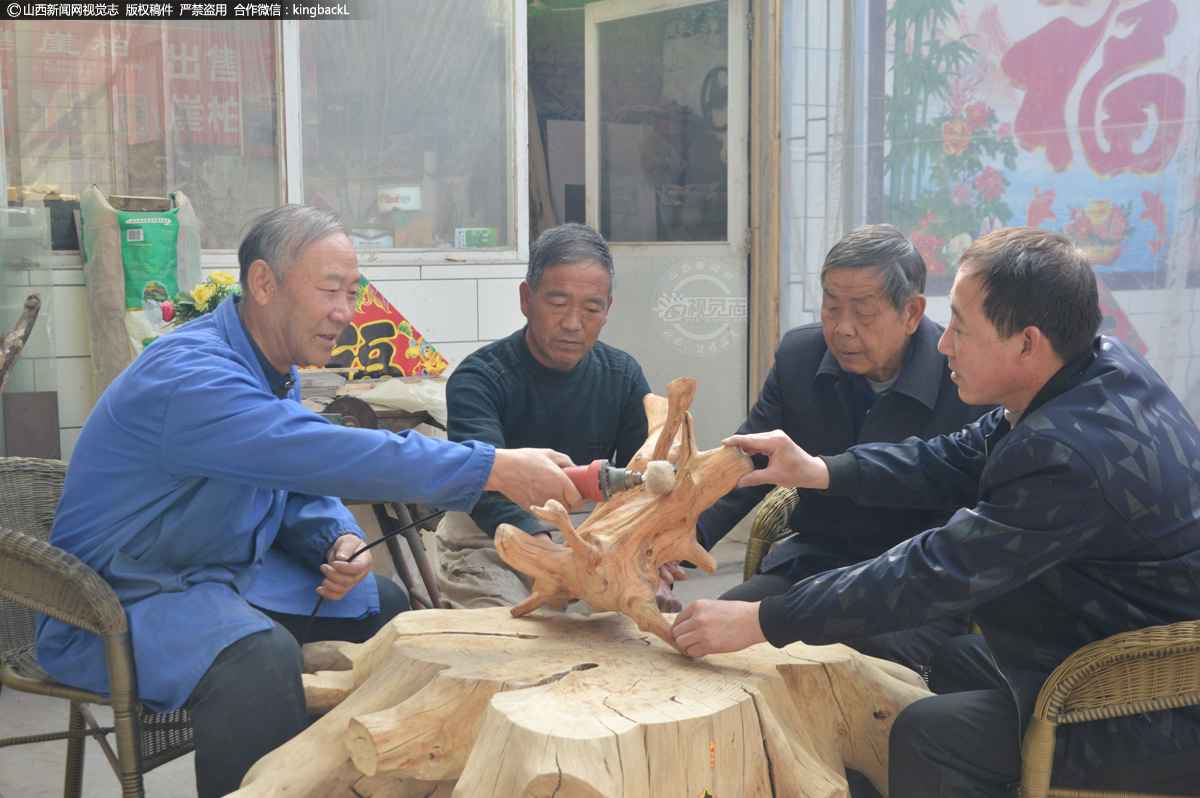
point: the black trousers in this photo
(250, 701)
(966, 741)
(912, 648)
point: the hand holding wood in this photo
(789, 466)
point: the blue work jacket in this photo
(195, 492)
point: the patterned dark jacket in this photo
(1081, 522)
(808, 396)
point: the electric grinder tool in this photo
(600, 479)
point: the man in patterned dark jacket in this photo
(1078, 518)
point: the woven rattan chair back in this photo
(38, 577)
(29, 491)
(769, 525)
(1145, 670)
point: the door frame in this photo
(737, 136)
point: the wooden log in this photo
(12, 343)
(612, 560)
(478, 704)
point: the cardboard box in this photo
(413, 230)
(476, 237)
(371, 238)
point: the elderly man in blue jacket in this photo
(200, 489)
(1076, 519)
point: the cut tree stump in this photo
(481, 704)
(611, 561)
(478, 704)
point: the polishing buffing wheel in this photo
(660, 477)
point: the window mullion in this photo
(291, 164)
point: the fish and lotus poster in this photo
(1078, 116)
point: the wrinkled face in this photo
(983, 365)
(566, 313)
(863, 330)
(308, 312)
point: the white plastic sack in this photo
(411, 397)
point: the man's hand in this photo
(666, 599)
(708, 626)
(668, 574)
(341, 575)
(532, 477)
(789, 466)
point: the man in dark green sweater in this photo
(549, 385)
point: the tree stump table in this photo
(479, 704)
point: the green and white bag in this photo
(133, 261)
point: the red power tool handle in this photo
(587, 479)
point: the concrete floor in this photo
(36, 771)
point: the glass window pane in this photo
(407, 123)
(663, 88)
(142, 110)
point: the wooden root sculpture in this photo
(478, 704)
(611, 561)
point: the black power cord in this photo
(372, 544)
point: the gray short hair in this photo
(280, 235)
(568, 243)
(885, 250)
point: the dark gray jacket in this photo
(808, 396)
(1081, 522)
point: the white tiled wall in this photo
(457, 307)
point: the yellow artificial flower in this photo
(202, 293)
(221, 277)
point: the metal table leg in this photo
(416, 547)
(387, 525)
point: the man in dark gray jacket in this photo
(869, 371)
(1078, 518)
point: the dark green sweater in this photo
(502, 395)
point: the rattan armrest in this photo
(55, 583)
(768, 526)
(1140, 671)
(1153, 668)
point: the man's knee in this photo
(270, 660)
(912, 726)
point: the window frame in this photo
(290, 163)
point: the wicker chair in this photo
(1127, 674)
(35, 576)
(769, 525)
